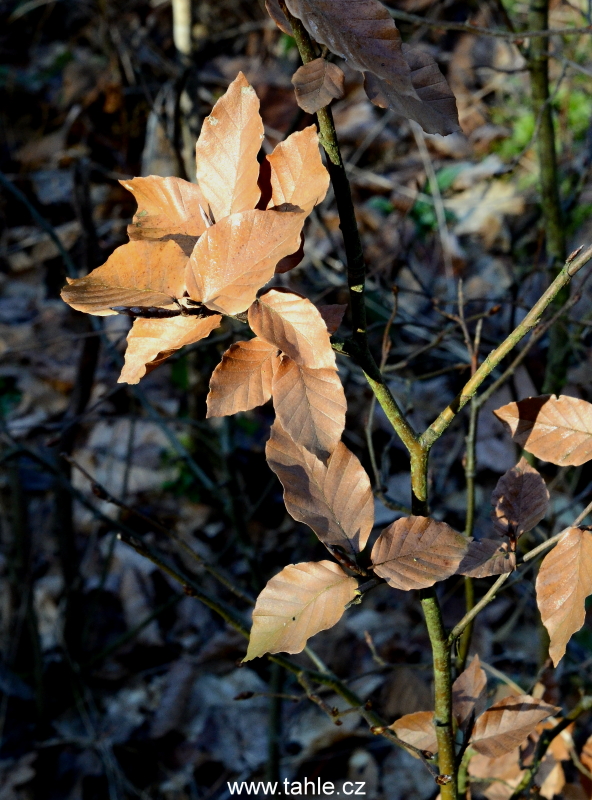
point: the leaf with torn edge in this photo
(333, 315)
(310, 405)
(300, 601)
(362, 32)
(226, 151)
(562, 586)
(152, 341)
(237, 256)
(555, 429)
(166, 207)
(433, 107)
(140, 273)
(417, 729)
(294, 326)
(317, 83)
(520, 500)
(415, 552)
(468, 694)
(297, 173)
(242, 380)
(507, 724)
(335, 500)
(487, 557)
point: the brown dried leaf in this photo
(418, 730)
(555, 429)
(298, 175)
(310, 405)
(237, 256)
(317, 83)
(415, 552)
(166, 207)
(563, 583)
(139, 273)
(242, 380)
(586, 759)
(468, 693)
(333, 315)
(226, 151)
(300, 601)
(502, 774)
(508, 723)
(151, 341)
(362, 32)
(275, 12)
(334, 500)
(433, 106)
(519, 500)
(294, 326)
(487, 557)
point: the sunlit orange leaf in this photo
(317, 83)
(563, 583)
(519, 500)
(333, 315)
(237, 256)
(487, 557)
(335, 500)
(361, 31)
(418, 730)
(310, 405)
(300, 601)
(434, 104)
(415, 552)
(139, 273)
(555, 429)
(468, 693)
(507, 724)
(151, 341)
(226, 151)
(166, 207)
(500, 775)
(298, 175)
(586, 759)
(294, 326)
(242, 380)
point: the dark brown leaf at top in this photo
(487, 557)
(166, 207)
(415, 552)
(333, 315)
(468, 694)
(508, 723)
(555, 429)
(362, 32)
(317, 83)
(519, 500)
(434, 106)
(275, 12)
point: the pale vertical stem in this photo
(182, 27)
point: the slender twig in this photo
(470, 615)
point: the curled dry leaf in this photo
(555, 429)
(275, 12)
(519, 500)
(300, 601)
(335, 500)
(563, 583)
(139, 273)
(310, 405)
(487, 557)
(237, 256)
(298, 175)
(151, 341)
(468, 694)
(166, 207)
(418, 730)
(294, 326)
(226, 151)
(362, 32)
(317, 83)
(242, 380)
(434, 104)
(333, 315)
(415, 552)
(508, 723)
